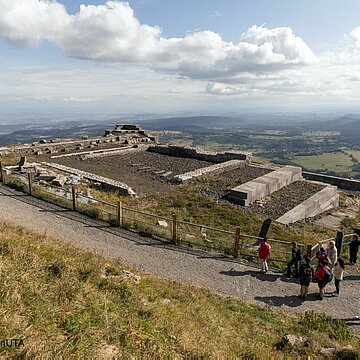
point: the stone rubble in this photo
(114, 184)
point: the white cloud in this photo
(27, 22)
(355, 34)
(112, 33)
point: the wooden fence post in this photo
(308, 251)
(339, 242)
(237, 242)
(1, 173)
(174, 226)
(30, 182)
(73, 195)
(120, 213)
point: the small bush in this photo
(55, 270)
(112, 271)
(347, 354)
(4, 249)
(85, 274)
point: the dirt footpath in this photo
(217, 273)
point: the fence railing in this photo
(230, 242)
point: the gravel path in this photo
(217, 273)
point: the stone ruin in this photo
(199, 154)
(130, 133)
(244, 194)
(25, 167)
(123, 134)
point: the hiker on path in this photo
(323, 276)
(331, 251)
(264, 254)
(321, 254)
(305, 275)
(338, 275)
(354, 248)
(295, 260)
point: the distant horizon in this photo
(48, 117)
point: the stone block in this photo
(323, 200)
(45, 177)
(247, 193)
(59, 181)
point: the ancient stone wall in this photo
(123, 188)
(265, 185)
(342, 183)
(212, 169)
(199, 154)
(323, 200)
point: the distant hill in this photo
(29, 134)
(195, 122)
(348, 126)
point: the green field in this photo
(354, 153)
(337, 162)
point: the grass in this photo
(354, 153)
(189, 205)
(67, 303)
(337, 162)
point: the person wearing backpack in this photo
(264, 254)
(305, 277)
(323, 276)
(338, 275)
(295, 260)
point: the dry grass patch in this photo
(67, 303)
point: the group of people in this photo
(329, 265)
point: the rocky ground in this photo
(285, 199)
(140, 170)
(272, 206)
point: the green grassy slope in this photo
(67, 303)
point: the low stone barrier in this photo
(199, 154)
(104, 152)
(323, 200)
(265, 185)
(212, 169)
(123, 188)
(342, 183)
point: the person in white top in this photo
(331, 251)
(338, 275)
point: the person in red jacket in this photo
(320, 275)
(264, 254)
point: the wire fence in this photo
(230, 242)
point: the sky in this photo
(179, 56)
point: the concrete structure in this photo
(212, 169)
(323, 200)
(342, 183)
(199, 154)
(247, 193)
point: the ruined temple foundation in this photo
(323, 200)
(247, 193)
